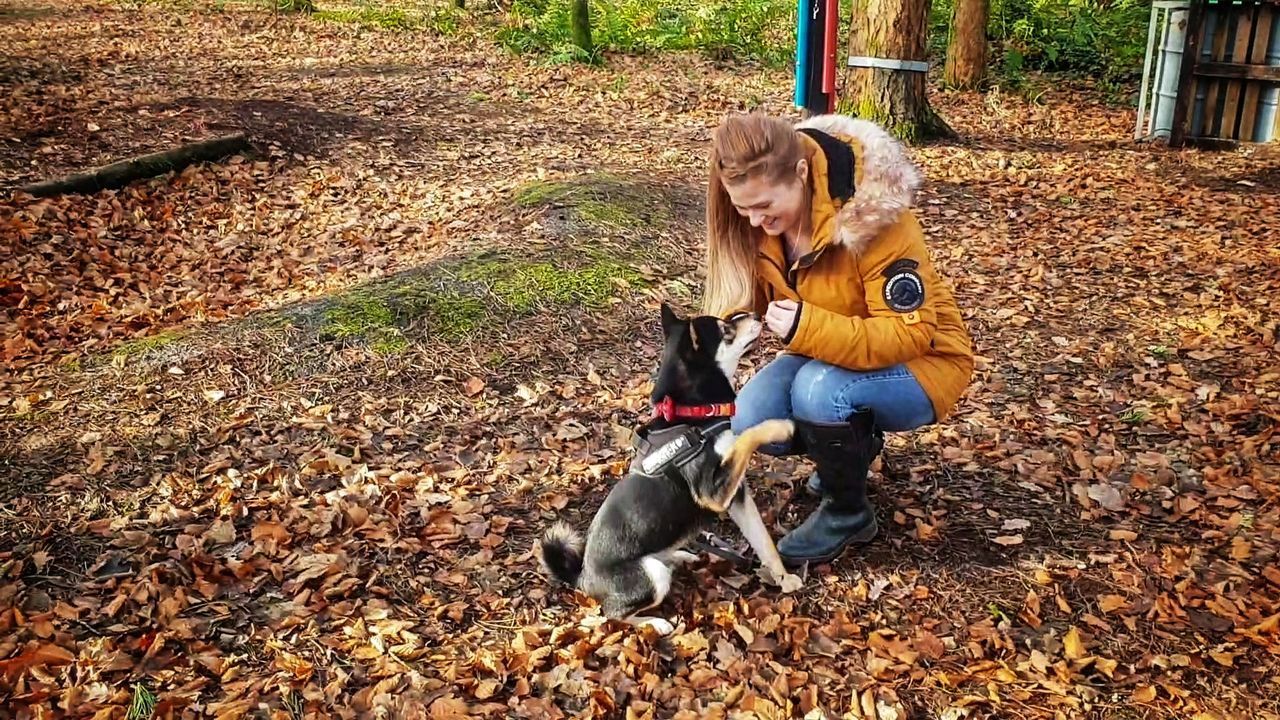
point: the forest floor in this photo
(278, 432)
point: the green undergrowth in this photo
(456, 300)
(143, 346)
(600, 200)
(758, 30)
(1101, 39)
(441, 19)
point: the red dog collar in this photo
(669, 411)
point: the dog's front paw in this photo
(785, 581)
(660, 626)
(683, 557)
(790, 583)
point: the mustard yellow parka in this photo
(869, 295)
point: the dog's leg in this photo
(743, 508)
(682, 557)
(735, 452)
(744, 446)
(746, 516)
(659, 575)
(659, 625)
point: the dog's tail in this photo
(560, 553)
(745, 445)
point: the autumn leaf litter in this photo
(215, 508)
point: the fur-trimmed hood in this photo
(885, 179)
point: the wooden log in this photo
(119, 174)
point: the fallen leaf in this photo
(1144, 694)
(1072, 645)
(1111, 603)
(1009, 540)
(486, 689)
(221, 532)
(1224, 659)
(214, 396)
(448, 708)
(1107, 496)
(1015, 524)
(473, 386)
(1241, 549)
(300, 667)
(929, 645)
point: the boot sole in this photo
(861, 538)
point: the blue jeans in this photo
(795, 386)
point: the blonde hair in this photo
(744, 146)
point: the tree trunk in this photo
(895, 98)
(580, 25)
(967, 50)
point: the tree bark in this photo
(119, 174)
(580, 25)
(966, 66)
(892, 30)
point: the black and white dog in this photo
(688, 469)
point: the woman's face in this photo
(775, 207)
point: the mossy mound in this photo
(145, 346)
(454, 300)
(600, 200)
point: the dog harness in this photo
(680, 449)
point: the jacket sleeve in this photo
(900, 285)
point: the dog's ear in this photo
(669, 319)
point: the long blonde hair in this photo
(744, 146)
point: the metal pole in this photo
(1138, 130)
(802, 52)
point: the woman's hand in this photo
(781, 316)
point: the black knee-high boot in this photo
(814, 484)
(843, 453)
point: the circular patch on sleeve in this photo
(904, 291)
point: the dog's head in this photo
(701, 355)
